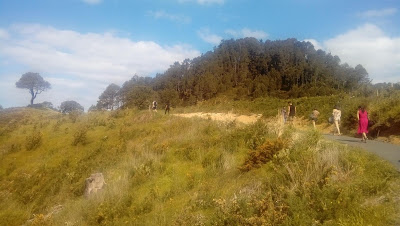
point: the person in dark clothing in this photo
(291, 111)
(167, 108)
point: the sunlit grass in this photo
(166, 170)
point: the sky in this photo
(82, 46)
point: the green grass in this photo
(165, 170)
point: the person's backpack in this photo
(330, 120)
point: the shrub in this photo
(255, 135)
(15, 147)
(80, 136)
(262, 155)
(57, 125)
(74, 115)
(33, 141)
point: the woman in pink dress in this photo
(362, 116)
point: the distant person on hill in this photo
(167, 108)
(154, 106)
(314, 116)
(291, 111)
(362, 116)
(337, 114)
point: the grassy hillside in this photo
(165, 170)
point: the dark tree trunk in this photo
(33, 96)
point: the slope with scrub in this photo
(165, 170)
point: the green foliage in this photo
(109, 99)
(262, 154)
(139, 97)
(246, 69)
(71, 106)
(34, 83)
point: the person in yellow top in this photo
(337, 114)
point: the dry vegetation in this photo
(166, 170)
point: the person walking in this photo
(314, 116)
(167, 108)
(362, 116)
(337, 114)
(291, 111)
(154, 106)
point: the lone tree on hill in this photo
(70, 106)
(34, 83)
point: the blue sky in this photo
(81, 46)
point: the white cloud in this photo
(245, 32)
(4, 34)
(76, 62)
(92, 2)
(369, 46)
(208, 37)
(378, 13)
(315, 43)
(161, 14)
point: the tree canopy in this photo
(249, 68)
(34, 83)
(70, 106)
(109, 99)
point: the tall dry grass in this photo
(165, 170)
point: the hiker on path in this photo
(337, 114)
(167, 108)
(314, 116)
(154, 106)
(362, 116)
(291, 111)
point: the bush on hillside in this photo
(80, 136)
(33, 141)
(262, 155)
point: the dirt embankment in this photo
(224, 117)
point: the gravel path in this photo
(387, 151)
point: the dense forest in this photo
(242, 68)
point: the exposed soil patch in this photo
(225, 117)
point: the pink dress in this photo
(363, 122)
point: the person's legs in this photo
(365, 138)
(313, 122)
(337, 127)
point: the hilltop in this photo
(242, 69)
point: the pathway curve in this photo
(387, 151)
